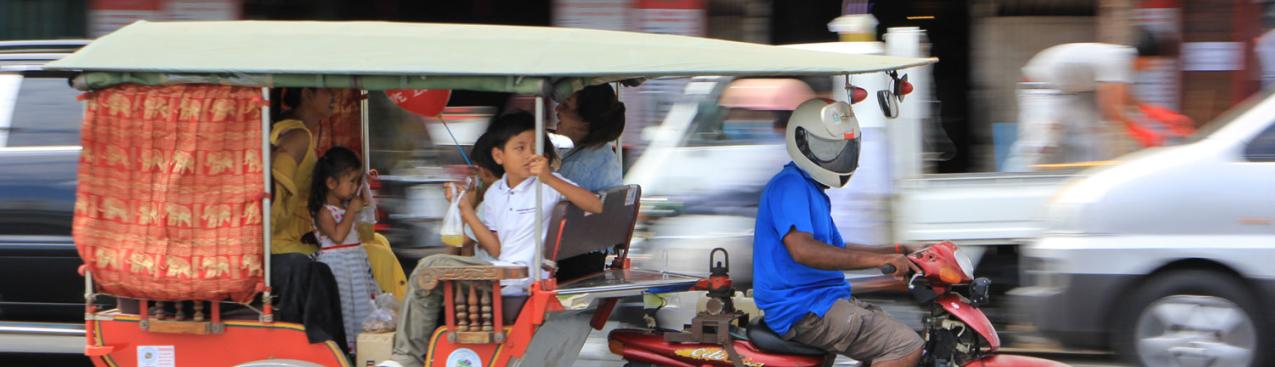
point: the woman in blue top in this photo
(593, 118)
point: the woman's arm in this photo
(295, 143)
(575, 194)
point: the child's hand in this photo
(451, 189)
(356, 205)
(540, 167)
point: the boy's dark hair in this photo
(499, 132)
(481, 155)
(1151, 43)
(335, 162)
(598, 106)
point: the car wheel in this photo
(1190, 318)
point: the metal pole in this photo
(540, 150)
(619, 140)
(367, 140)
(88, 286)
(265, 200)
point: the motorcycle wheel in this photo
(1191, 315)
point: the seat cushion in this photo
(768, 341)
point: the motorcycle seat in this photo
(768, 341)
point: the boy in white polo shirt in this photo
(503, 225)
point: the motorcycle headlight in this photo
(964, 262)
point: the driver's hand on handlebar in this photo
(902, 266)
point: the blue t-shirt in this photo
(594, 168)
(783, 288)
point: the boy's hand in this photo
(467, 200)
(540, 167)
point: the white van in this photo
(1166, 257)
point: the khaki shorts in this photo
(857, 330)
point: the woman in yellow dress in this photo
(292, 166)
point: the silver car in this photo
(1166, 257)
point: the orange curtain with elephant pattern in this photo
(168, 203)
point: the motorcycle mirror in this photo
(902, 87)
(889, 104)
(979, 290)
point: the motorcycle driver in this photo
(799, 256)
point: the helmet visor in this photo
(840, 156)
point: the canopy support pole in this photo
(619, 140)
(88, 287)
(367, 147)
(267, 309)
(540, 150)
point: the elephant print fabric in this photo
(168, 203)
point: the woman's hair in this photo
(284, 102)
(602, 110)
(1153, 43)
(336, 162)
(499, 132)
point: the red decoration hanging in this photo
(424, 102)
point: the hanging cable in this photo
(454, 141)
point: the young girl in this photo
(335, 200)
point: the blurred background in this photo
(1118, 225)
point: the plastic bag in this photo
(384, 316)
(453, 229)
(368, 214)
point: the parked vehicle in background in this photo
(890, 199)
(1166, 256)
(39, 152)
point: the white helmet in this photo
(823, 139)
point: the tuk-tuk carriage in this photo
(174, 190)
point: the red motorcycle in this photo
(956, 331)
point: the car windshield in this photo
(1230, 115)
(738, 126)
(46, 113)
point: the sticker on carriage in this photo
(464, 357)
(713, 354)
(156, 356)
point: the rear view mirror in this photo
(889, 103)
(891, 97)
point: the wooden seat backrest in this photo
(573, 231)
